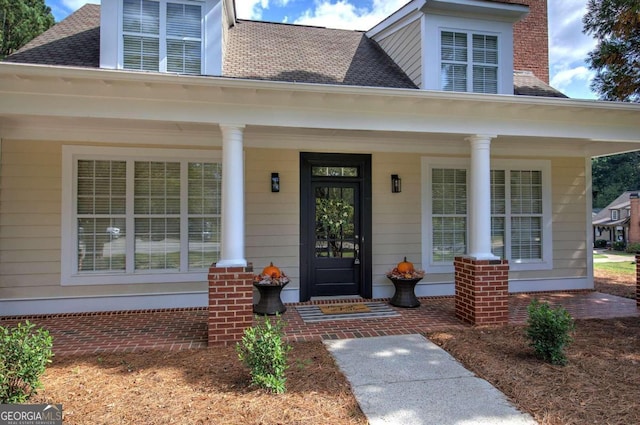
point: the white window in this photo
(469, 62)
(139, 215)
(161, 35)
(615, 215)
(520, 213)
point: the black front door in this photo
(335, 224)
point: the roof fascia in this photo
(475, 8)
(399, 15)
(407, 109)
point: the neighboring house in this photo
(620, 220)
(143, 140)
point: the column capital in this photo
(480, 138)
(231, 127)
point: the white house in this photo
(144, 140)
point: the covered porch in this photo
(182, 329)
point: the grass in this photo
(620, 267)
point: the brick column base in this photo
(230, 303)
(638, 280)
(482, 291)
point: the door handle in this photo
(356, 248)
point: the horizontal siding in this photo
(403, 46)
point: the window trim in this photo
(429, 163)
(616, 213)
(162, 35)
(70, 155)
(470, 62)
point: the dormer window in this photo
(469, 62)
(161, 35)
(615, 215)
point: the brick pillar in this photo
(230, 303)
(638, 280)
(482, 291)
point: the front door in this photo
(335, 225)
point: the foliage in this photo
(20, 22)
(334, 218)
(618, 245)
(548, 331)
(616, 26)
(613, 175)
(632, 248)
(600, 243)
(264, 352)
(24, 354)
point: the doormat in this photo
(344, 308)
(314, 313)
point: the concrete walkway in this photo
(406, 379)
(612, 257)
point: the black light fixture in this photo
(396, 184)
(275, 182)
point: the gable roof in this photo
(259, 51)
(621, 202)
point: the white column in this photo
(479, 211)
(232, 248)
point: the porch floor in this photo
(187, 328)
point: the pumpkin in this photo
(405, 266)
(272, 271)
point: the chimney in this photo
(531, 40)
(634, 218)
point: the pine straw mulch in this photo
(622, 285)
(197, 387)
(598, 386)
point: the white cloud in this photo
(569, 46)
(343, 14)
(252, 9)
(76, 4)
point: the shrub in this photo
(618, 245)
(600, 243)
(24, 355)
(633, 248)
(264, 352)
(549, 331)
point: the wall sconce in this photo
(396, 184)
(275, 182)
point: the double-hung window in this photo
(520, 221)
(132, 215)
(161, 35)
(469, 62)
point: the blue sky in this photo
(568, 46)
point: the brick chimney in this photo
(634, 218)
(531, 40)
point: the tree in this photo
(613, 175)
(616, 59)
(20, 22)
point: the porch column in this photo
(230, 279)
(479, 215)
(481, 278)
(232, 247)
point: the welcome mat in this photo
(344, 308)
(376, 310)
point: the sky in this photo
(568, 46)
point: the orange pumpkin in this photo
(272, 271)
(405, 266)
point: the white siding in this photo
(404, 47)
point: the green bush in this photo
(633, 248)
(548, 331)
(600, 243)
(24, 355)
(618, 245)
(264, 352)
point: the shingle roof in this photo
(259, 50)
(604, 215)
(282, 52)
(75, 41)
(525, 83)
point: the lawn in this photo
(599, 384)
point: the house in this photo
(144, 140)
(620, 220)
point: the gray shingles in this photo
(73, 42)
(259, 50)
